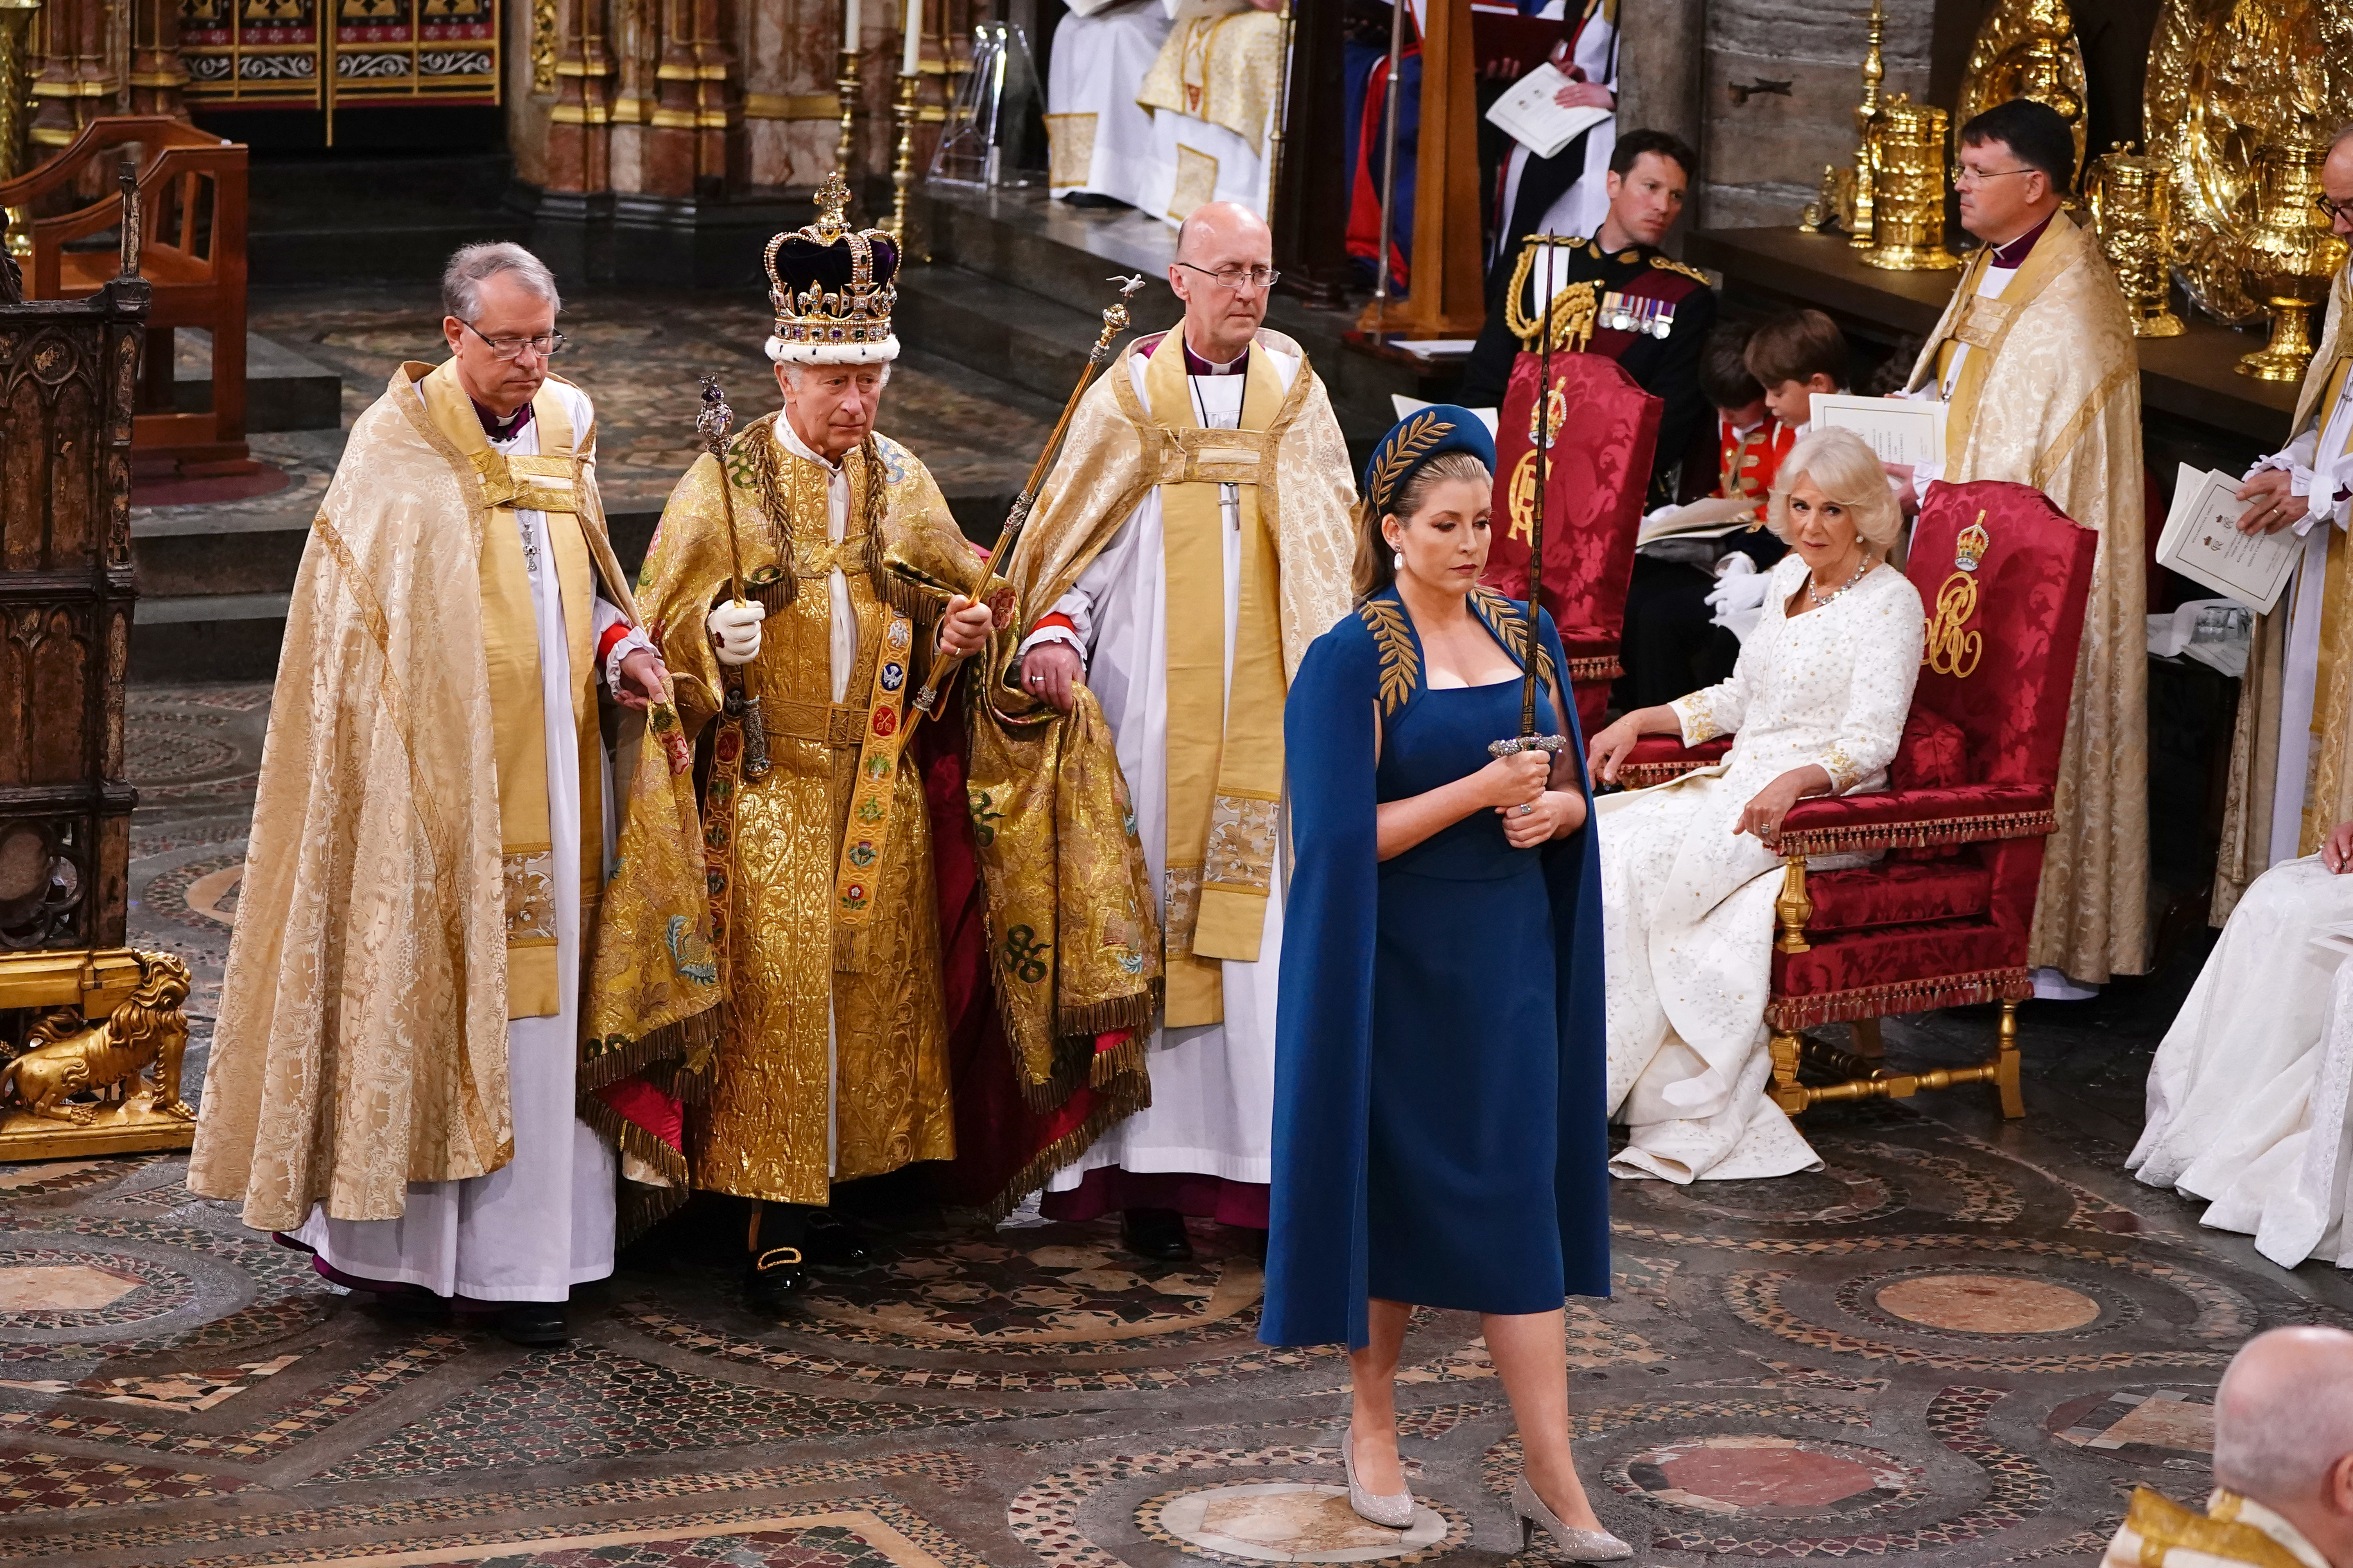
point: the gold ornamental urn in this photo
(1908, 190)
(2290, 255)
(2132, 212)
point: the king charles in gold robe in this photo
(2034, 358)
(833, 1061)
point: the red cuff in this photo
(1055, 619)
(613, 634)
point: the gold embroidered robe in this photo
(2049, 396)
(1216, 816)
(832, 1064)
(2233, 1530)
(363, 1037)
(2247, 824)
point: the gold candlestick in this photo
(903, 170)
(15, 21)
(846, 88)
(1860, 230)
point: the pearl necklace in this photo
(1821, 598)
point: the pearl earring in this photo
(1396, 562)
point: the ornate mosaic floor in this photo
(1962, 1342)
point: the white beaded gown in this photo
(1687, 905)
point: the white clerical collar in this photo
(791, 441)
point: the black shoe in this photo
(410, 1304)
(1156, 1234)
(833, 1243)
(777, 1277)
(535, 1325)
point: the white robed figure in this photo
(1140, 583)
(1099, 140)
(1567, 193)
(410, 1121)
(2292, 756)
(2251, 1096)
(1816, 706)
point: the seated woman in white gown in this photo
(1816, 706)
(2250, 1097)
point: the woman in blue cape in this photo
(1438, 1135)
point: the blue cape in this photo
(1316, 1262)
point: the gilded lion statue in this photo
(66, 1055)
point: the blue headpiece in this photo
(1414, 440)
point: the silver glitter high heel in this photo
(1391, 1510)
(1576, 1545)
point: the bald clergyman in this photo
(2283, 1465)
(1185, 603)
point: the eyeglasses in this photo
(2334, 209)
(1232, 278)
(1965, 176)
(544, 345)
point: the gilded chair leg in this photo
(1793, 909)
(2005, 1068)
(1787, 1093)
(1867, 1042)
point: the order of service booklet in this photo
(1900, 429)
(2201, 540)
(1528, 114)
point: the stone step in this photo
(207, 636)
(283, 391)
(307, 216)
(1010, 333)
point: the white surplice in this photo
(542, 1222)
(2319, 464)
(1212, 1110)
(1687, 904)
(1100, 140)
(2251, 1096)
(1579, 210)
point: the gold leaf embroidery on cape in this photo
(1401, 665)
(1511, 628)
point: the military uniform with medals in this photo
(1655, 315)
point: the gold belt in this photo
(839, 725)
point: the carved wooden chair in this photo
(1605, 430)
(191, 188)
(1942, 921)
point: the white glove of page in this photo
(735, 631)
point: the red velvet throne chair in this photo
(1605, 428)
(1942, 921)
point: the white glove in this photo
(1738, 597)
(735, 631)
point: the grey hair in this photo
(2283, 1414)
(1846, 471)
(462, 279)
(793, 370)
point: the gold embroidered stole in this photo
(546, 483)
(1225, 747)
(2327, 786)
(1983, 323)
